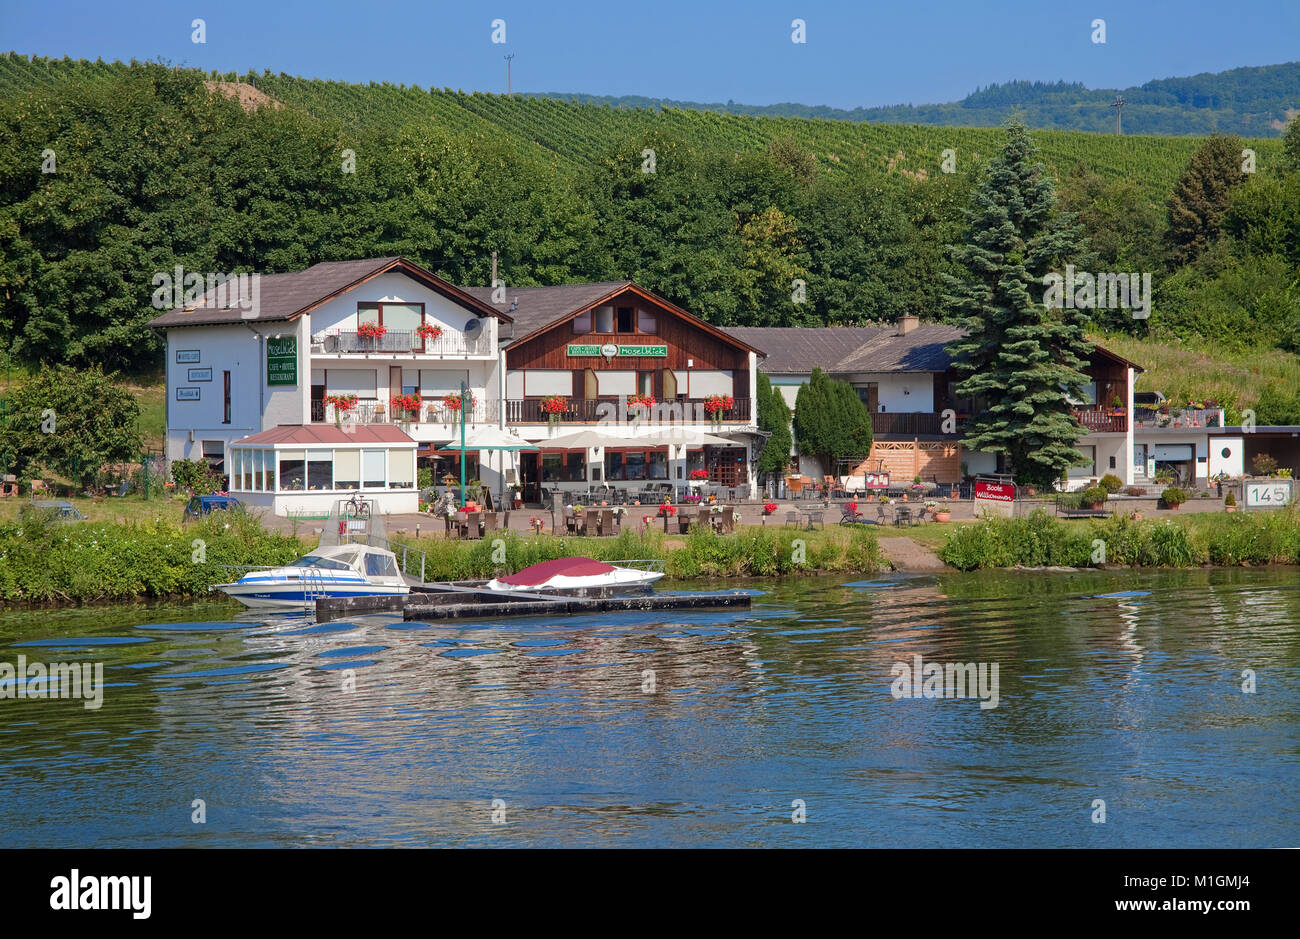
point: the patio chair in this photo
(591, 524)
(608, 522)
(792, 518)
(489, 521)
(727, 521)
(684, 519)
(9, 487)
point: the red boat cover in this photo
(539, 574)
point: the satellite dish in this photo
(473, 328)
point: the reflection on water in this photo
(629, 730)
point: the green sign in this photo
(623, 351)
(282, 361)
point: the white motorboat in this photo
(348, 570)
(577, 575)
(352, 560)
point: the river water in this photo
(711, 729)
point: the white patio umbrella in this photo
(489, 438)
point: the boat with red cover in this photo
(570, 575)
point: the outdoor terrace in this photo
(400, 342)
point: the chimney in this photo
(908, 322)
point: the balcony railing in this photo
(925, 424)
(593, 410)
(902, 424)
(1102, 420)
(1177, 418)
(401, 342)
(432, 411)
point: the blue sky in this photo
(865, 53)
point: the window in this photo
(225, 397)
(657, 462)
(582, 323)
(320, 469)
(604, 319)
(244, 469)
(293, 470)
(401, 469)
(646, 323)
(214, 453)
(646, 383)
(564, 467)
(367, 312)
(372, 469)
(235, 461)
(626, 319)
(380, 565)
(347, 469)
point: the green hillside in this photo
(579, 134)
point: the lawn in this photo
(1193, 369)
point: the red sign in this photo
(996, 492)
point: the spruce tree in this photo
(1201, 196)
(1020, 354)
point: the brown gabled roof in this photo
(310, 434)
(797, 350)
(545, 307)
(288, 296)
(539, 307)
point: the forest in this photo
(109, 173)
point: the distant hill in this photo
(578, 133)
(1253, 102)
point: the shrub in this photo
(1173, 496)
(1263, 465)
(1229, 499)
(1094, 496)
(1111, 483)
(1134, 491)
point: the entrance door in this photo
(1140, 460)
(530, 468)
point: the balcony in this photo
(594, 410)
(1177, 418)
(432, 411)
(1102, 420)
(907, 424)
(398, 342)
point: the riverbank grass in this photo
(1042, 540)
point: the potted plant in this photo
(1173, 497)
(699, 475)
(553, 406)
(342, 405)
(1230, 503)
(1117, 407)
(769, 508)
(640, 402)
(407, 405)
(428, 332)
(717, 405)
(452, 402)
(1093, 497)
(943, 513)
(372, 332)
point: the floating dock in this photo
(471, 601)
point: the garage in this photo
(1178, 459)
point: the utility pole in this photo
(1118, 105)
(508, 58)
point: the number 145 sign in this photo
(1268, 495)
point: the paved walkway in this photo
(906, 555)
(747, 513)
